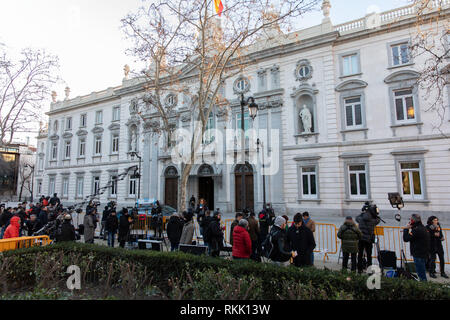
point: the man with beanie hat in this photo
(281, 252)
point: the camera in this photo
(371, 208)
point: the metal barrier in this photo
(24, 242)
(326, 239)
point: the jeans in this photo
(2, 232)
(420, 264)
(111, 237)
(281, 264)
(367, 247)
(312, 258)
(345, 257)
(102, 229)
(174, 246)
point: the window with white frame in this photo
(309, 182)
(209, 131)
(80, 187)
(350, 64)
(96, 186)
(400, 54)
(82, 147)
(404, 106)
(69, 123)
(65, 187)
(353, 113)
(51, 186)
(132, 186)
(115, 143)
(113, 186)
(54, 150)
(357, 178)
(67, 148)
(98, 145)
(83, 120)
(116, 114)
(412, 186)
(246, 124)
(99, 117)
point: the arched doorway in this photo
(206, 185)
(244, 187)
(171, 187)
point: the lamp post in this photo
(258, 143)
(135, 154)
(253, 110)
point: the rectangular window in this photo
(82, 148)
(54, 150)
(113, 186)
(69, 123)
(246, 124)
(411, 180)
(99, 117)
(350, 65)
(404, 106)
(353, 112)
(39, 189)
(80, 187)
(209, 132)
(51, 186)
(132, 187)
(98, 145)
(358, 181)
(67, 148)
(96, 186)
(41, 163)
(115, 143)
(83, 120)
(116, 114)
(309, 182)
(65, 187)
(400, 54)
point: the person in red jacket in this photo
(242, 244)
(13, 229)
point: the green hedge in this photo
(102, 265)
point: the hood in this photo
(239, 229)
(15, 221)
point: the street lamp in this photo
(253, 110)
(135, 154)
(258, 143)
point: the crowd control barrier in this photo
(24, 242)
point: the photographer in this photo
(417, 235)
(367, 221)
(436, 238)
(66, 231)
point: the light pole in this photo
(253, 110)
(135, 154)
(259, 142)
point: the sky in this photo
(86, 35)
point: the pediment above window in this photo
(400, 76)
(351, 85)
(98, 130)
(82, 132)
(304, 88)
(114, 126)
(54, 137)
(67, 135)
(134, 120)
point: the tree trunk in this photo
(183, 186)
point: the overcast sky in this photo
(86, 35)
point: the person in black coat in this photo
(301, 240)
(281, 252)
(367, 221)
(156, 222)
(417, 235)
(436, 248)
(67, 231)
(105, 216)
(214, 235)
(124, 227)
(55, 200)
(174, 231)
(33, 225)
(111, 227)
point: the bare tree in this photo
(25, 86)
(180, 36)
(26, 170)
(431, 42)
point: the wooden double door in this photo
(244, 187)
(171, 192)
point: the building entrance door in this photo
(206, 191)
(244, 187)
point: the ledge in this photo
(307, 158)
(426, 202)
(357, 200)
(351, 75)
(408, 152)
(353, 155)
(309, 200)
(354, 130)
(401, 66)
(306, 135)
(407, 125)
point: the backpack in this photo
(267, 246)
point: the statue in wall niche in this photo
(306, 117)
(133, 141)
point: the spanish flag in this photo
(219, 7)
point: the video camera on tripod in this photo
(372, 209)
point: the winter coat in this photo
(124, 226)
(43, 217)
(233, 225)
(435, 241)
(205, 222)
(67, 232)
(301, 240)
(13, 229)
(55, 201)
(187, 233)
(33, 227)
(89, 227)
(6, 217)
(112, 224)
(350, 235)
(367, 224)
(253, 228)
(310, 224)
(281, 249)
(215, 235)
(419, 240)
(242, 244)
(106, 214)
(175, 229)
